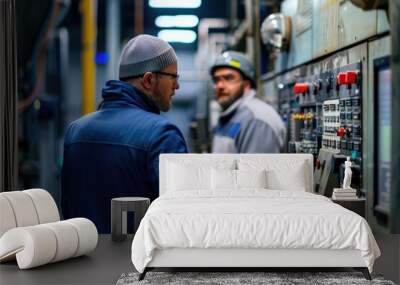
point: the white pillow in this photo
(279, 180)
(223, 179)
(193, 174)
(183, 178)
(281, 174)
(251, 178)
(230, 180)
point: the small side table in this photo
(119, 209)
(357, 205)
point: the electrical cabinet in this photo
(333, 93)
(322, 105)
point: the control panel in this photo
(331, 125)
(323, 112)
(349, 92)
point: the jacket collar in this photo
(236, 105)
(117, 93)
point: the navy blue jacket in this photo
(114, 152)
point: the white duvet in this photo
(250, 219)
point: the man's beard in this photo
(226, 103)
(159, 100)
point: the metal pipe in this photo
(233, 14)
(253, 43)
(113, 37)
(88, 10)
(203, 42)
(257, 45)
(139, 17)
(240, 32)
(249, 31)
(217, 42)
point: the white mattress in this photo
(256, 218)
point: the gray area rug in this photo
(228, 278)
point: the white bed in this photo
(215, 211)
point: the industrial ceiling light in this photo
(177, 36)
(275, 31)
(178, 21)
(175, 3)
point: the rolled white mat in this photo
(23, 208)
(87, 234)
(7, 218)
(45, 206)
(33, 246)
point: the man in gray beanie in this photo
(114, 152)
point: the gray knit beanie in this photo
(145, 53)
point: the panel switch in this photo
(347, 78)
(301, 88)
(351, 77)
(341, 78)
(341, 132)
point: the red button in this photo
(300, 88)
(318, 164)
(341, 78)
(351, 77)
(341, 132)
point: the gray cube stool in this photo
(119, 209)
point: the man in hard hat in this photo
(246, 124)
(114, 152)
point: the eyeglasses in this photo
(173, 75)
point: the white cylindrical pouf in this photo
(23, 208)
(67, 239)
(34, 246)
(87, 234)
(7, 218)
(45, 206)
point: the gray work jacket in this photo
(249, 125)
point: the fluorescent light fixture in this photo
(177, 36)
(174, 3)
(178, 21)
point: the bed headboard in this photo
(165, 159)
